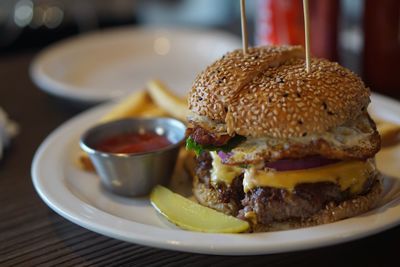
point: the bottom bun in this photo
(210, 197)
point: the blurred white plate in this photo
(78, 196)
(107, 64)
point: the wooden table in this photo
(31, 234)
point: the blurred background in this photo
(363, 35)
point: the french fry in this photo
(131, 106)
(164, 98)
(83, 161)
(151, 110)
(390, 132)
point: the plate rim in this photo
(178, 239)
(63, 90)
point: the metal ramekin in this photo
(137, 173)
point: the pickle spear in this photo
(192, 216)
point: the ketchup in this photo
(133, 143)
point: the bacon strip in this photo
(205, 138)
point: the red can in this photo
(281, 22)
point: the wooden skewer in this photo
(244, 25)
(307, 34)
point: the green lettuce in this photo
(198, 149)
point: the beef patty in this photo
(274, 204)
(225, 193)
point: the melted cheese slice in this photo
(221, 172)
(348, 175)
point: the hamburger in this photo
(278, 146)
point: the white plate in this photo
(77, 196)
(99, 66)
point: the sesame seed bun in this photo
(268, 92)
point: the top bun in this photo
(268, 92)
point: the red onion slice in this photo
(300, 164)
(224, 155)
